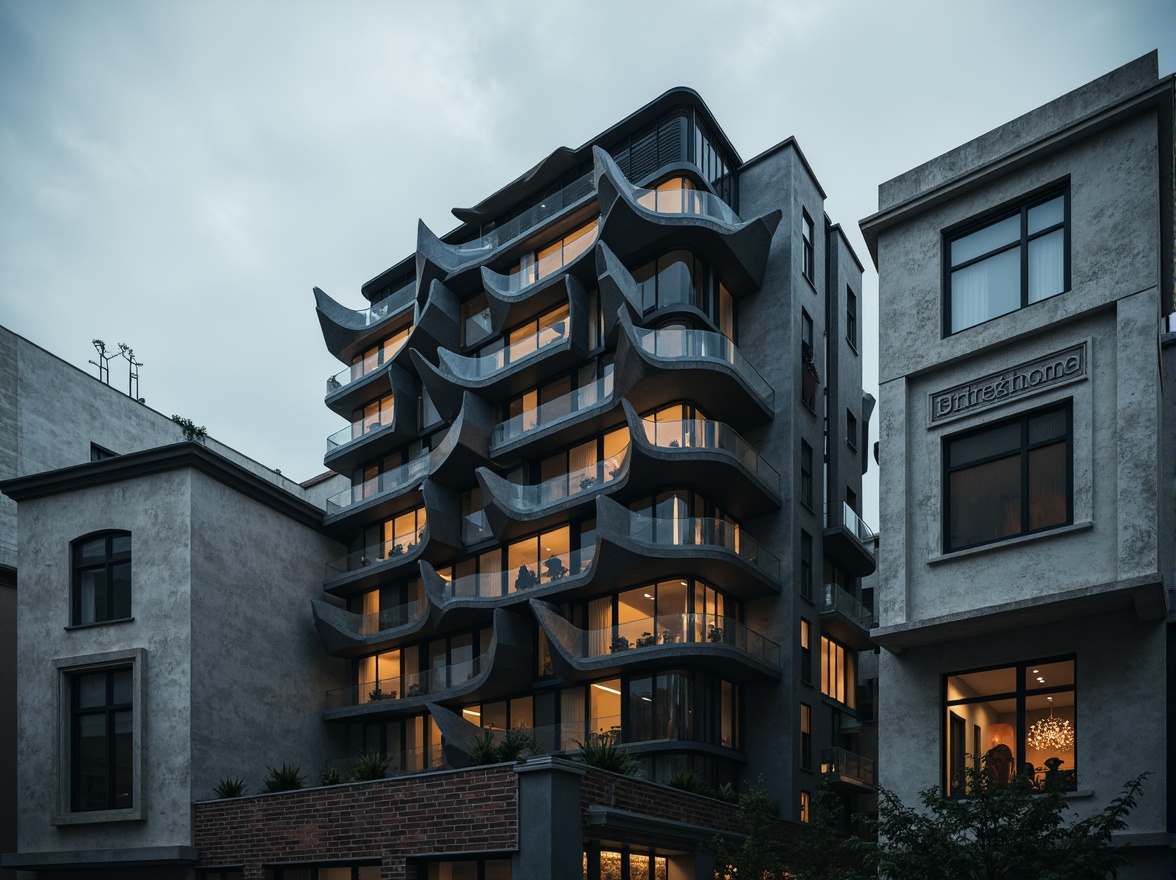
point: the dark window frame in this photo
(1018, 207)
(851, 430)
(109, 561)
(806, 565)
(806, 474)
(851, 322)
(808, 258)
(1026, 447)
(109, 711)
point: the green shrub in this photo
(482, 749)
(284, 778)
(688, 780)
(230, 787)
(331, 776)
(516, 742)
(369, 766)
(599, 751)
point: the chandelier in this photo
(1051, 734)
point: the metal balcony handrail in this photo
(357, 429)
(362, 368)
(390, 618)
(484, 366)
(408, 684)
(703, 532)
(843, 515)
(539, 495)
(709, 434)
(375, 554)
(680, 343)
(494, 584)
(579, 190)
(835, 599)
(685, 200)
(668, 630)
(843, 762)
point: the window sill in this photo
(852, 346)
(1011, 542)
(76, 626)
(94, 817)
(851, 446)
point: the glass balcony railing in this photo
(577, 191)
(672, 531)
(677, 629)
(487, 365)
(835, 599)
(585, 479)
(841, 514)
(494, 584)
(553, 411)
(409, 684)
(846, 764)
(549, 261)
(686, 201)
(390, 618)
(679, 343)
(389, 481)
(475, 527)
(375, 554)
(359, 429)
(364, 367)
(709, 434)
(568, 735)
(389, 305)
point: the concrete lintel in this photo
(105, 858)
(611, 819)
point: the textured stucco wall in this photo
(259, 668)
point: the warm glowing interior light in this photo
(605, 687)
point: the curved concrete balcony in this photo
(654, 365)
(368, 437)
(514, 368)
(722, 644)
(636, 221)
(556, 422)
(346, 634)
(465, 445)
(715, 550)
(506, 290)
(496, 672)
(710, 455)
(347, 332)
(513, 509)
(375, 498)
(848, 540)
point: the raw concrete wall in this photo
(259, 668)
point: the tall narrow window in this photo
(851, 328)
(806, 651)
(806, 475)
(806, 736)
(809, 377)
(806, 565)
(102, 578)
(808, 257)
(102, 739)
(851, 429)
(838, 672)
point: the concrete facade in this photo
(1093, 587)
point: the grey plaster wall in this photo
(1121, 707)
(259, 668)
(155, 510)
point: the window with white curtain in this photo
(1008, 262)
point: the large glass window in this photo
(838, 671)
(102, 739)
(1009, 262)
(379, 354)
(851, 328)
(102, 578)
(532, 561)
(681, 278)
(552, 257)
(397, 535)
(372, 415)
(468, 869)
(806, 474)
(1009, 720)
(423, 668)
(1009, 479)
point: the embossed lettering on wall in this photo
(1028, 378)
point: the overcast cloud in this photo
(177, 176)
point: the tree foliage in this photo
(999, 832)
(760, 853)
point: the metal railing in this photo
(363, 367)
(679, 343)
(493, 584)
(703, 532)
(389, 305)
(358, 429)
(390, 618)
(709, 434)
(835, 599)
(554, 411)
(389, 481)
(483, 367)
(843, 515)
(577, 191)
(842, 762)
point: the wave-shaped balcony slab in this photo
(618, 291)
(347, 634)
(712, 550)
(709, 455)
(509, 304)
(507, 661)
(347, 332)
(723, 646)
(737, 251)
(439, 540)
(499, 376)
(466, 445)
(351, 446)
(553, 425)
(657, 367)
(379, 497)
(513, 509)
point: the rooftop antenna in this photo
(132, 371)
(103, 362)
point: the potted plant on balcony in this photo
(587, 483)
(555, 567)
(715, 633)
(526, 579)
(619, 643)
(646, 640)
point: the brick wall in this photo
(464, 811)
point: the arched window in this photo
(101, 578)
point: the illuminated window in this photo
(806, 736)
(838, 671)
(806, 651)
(373, 415)
(379, 354)
(806, 800)
(552, 257)
(397, 535)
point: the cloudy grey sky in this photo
(177, 176)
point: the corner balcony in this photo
(346, 634)
(710, 455)
(366, 438)
(845, 618)
(513, 509)
(848, 540)
(555, 422)
(556, 573)
(654, 365)
(654, 547)
(347, 332)
(847, 771)
(361, 381)
(722, 644)
(637, 221)
(373, 498)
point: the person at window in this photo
(999, 765)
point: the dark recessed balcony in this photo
(428, 682)
(845, 618)
(367, 498)
(723, 644)
(709, 455)
(848, 540)
(847, 771)
(345, 633)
